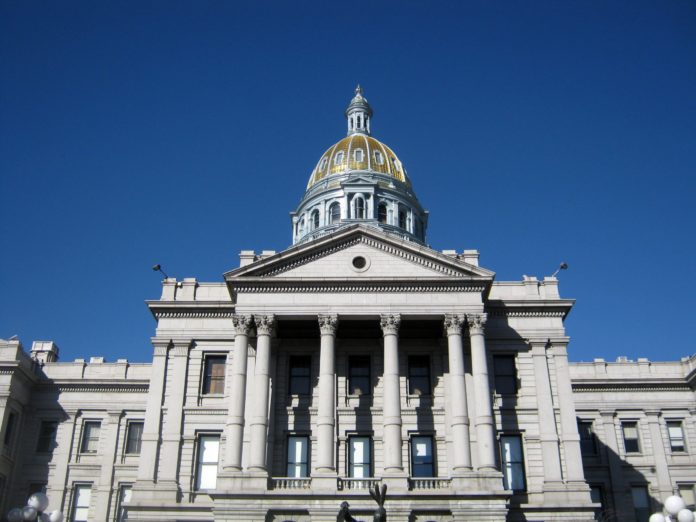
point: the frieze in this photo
(193, 315)
(96, 387)
(527, 313)
(352, 286)
(629, 387)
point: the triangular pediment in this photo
(384, 257)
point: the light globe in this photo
(685, 515)
(657, 517)
(56, 516)
(39, 501)
(44, 517)
(15, 515)
(674, 504)
(29, 513)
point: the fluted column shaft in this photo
(237, 371)
(485, 433)
(459, 413)
(259, 419)
(392, 400)
(326, 419)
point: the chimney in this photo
(44, 351)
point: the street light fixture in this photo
(34, 511)
(676, 511)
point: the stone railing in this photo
(290, 483)
(353, 484)
(419, 484)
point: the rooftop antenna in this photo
(562, 266)
(158, 268)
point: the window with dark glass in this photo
(298, 456)
(360, 457)
(300, 374)
(422, 460)
(47, 436)
(512, 460)
(419, 375)
(134, 437)
(641, 503)
(359, 208)
(214, 375)
(588, 442)
(9, 428)
(505, 374)
(90, 436)
(124, 497)
(597, 497)
(315, 219)
(402, 219)
(676, 436)
(335, 213)
(359, 375)
(630, 437)
(382, 213)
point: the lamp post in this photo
(676, 511)
(34, 511)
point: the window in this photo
(597, 497)
(512, 462)
(630, 437)
(676, 436)
(419, 375)
(338, 159)
(382, 213)
(359, 208)
(301, 226)
(641, 503)
(47, 437)
(686, 492)
(358, 154)
(588, 442)
(379, 159)
(315, 219)
(207, 461)
(360, 457)
(134, 437)
(9, 428)
(298, 461)
(505, 374)
(422, 463)
(214, 376)
(359, 382)
(402, 219)
(322, 165)
(124, 496)
(334, 213)
(90, 436)
(82, 493)
(300, 374)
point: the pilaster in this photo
(109, 433)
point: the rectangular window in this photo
(419, 375)
(358, 155)
(214, 375)
(597, 497)
(207, 465)
(505, 374)
(298, 456)
(630, 437)
(9, 428)
(300, 374)
(360, 457)
(124, 496)
(47, 437)
(676, 436)
(90, 436)
(686, 492)
(422, 461)
(134, 437)
(82, 493)
(641, 503)
(512, 462)
(359, 375)
(588, 442)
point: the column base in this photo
(163, 491)
(395, 484)
(243, 482)
(478, 482)
(325, 482)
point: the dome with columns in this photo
(359, 180)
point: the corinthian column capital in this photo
(476, 322)
(328, 323)
(242, 324)
(390, 324)
(264, 324)
(454, 323)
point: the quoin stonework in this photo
(359, 356)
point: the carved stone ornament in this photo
(242, 323)
(264, 324)
(390, 323)
(454, 323)
(328, 324)
(476, 323)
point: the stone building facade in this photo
(358, 356)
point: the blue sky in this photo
(134, 133)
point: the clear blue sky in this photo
(180, 133)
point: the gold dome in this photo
(358, 152)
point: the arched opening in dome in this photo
(334, 213)
(382, 213)
(402, 218)
(315, 219)
(359, 208)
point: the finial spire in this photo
(358, 90)
(359, 114)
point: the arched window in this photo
(359, 208)
(323, 164)
(359, 121)
(378, 158)
(358, 155)
(315, 219)
(402, 218)
(382, 213)
(301, 227)
(334, 213)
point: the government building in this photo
(359, 356)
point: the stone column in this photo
(548, 434)
(485, 434)
(664, 482)
(458, 413)
(262, 378)
(237, 373)
(391, 413)
(326, 422)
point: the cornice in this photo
(530, 308)
(193, 314)
(99, 386)
(262, 285)
(586, 386)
